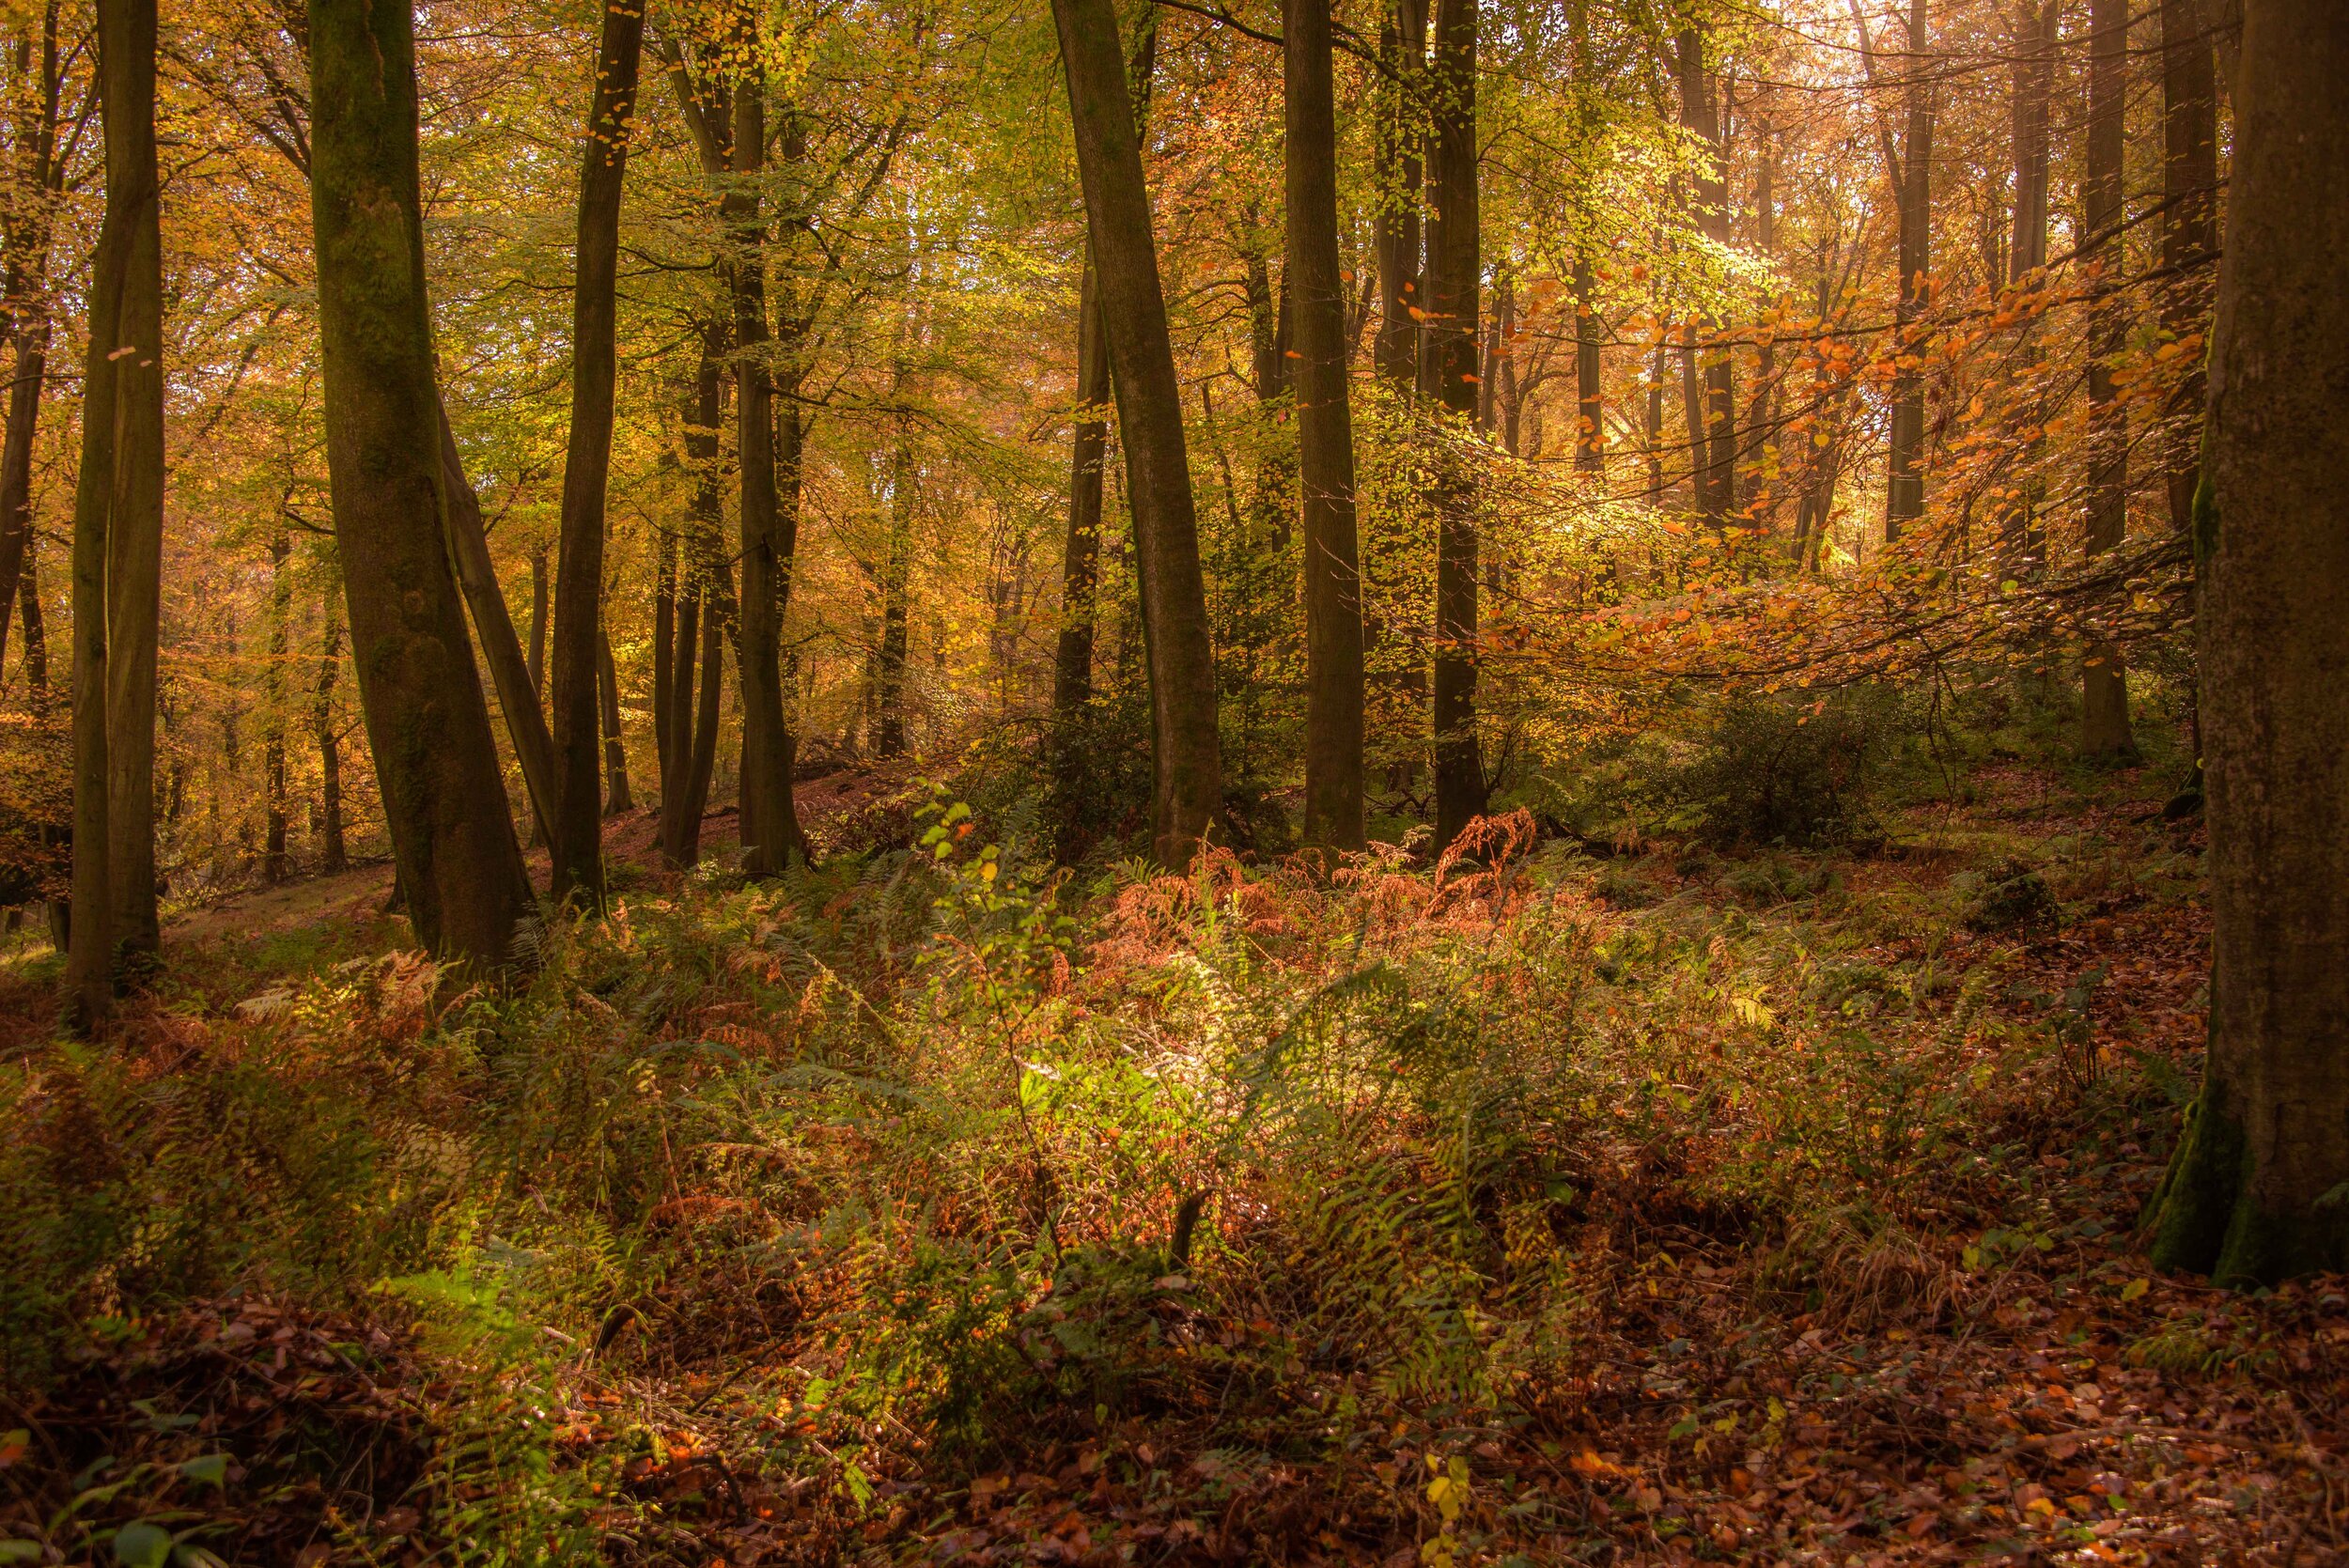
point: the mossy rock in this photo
(2014, 898)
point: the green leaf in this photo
(19, 1551)
(141, 1545)
(211, 1469)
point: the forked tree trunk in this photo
(576, 846)
(2104, 687)
(517, 687)
(2253, 1194)
(1325, 435)
(1187, 788)
(452, 839)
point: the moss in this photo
(2206, 1219)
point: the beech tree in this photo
(428, 726)
(2255, 1191)
(1187, 753)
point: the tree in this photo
(452, 839)
(1187, 767)
(1448, 374)
(2104, 688)
(40, 174)
(117, 532)
(2255, 1190)
(1325, 434)
(577, 842)
(1712, 415)
(1909, 168)
(1403, 52)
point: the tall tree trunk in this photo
(1395, 227)
(1325, 435)
(694, 717)
(1449, 373)
(509, 673)
(769, 822)
(577, 845)
(27, 233)
(1904, 479)
(895, 583)
(2252, 1194)
(2190, 233)
(618, 798)
(452, 839)
(664, 635)
(2033, 48)
(1080, 555)
(134, 512)
(1590, 408)
(542, 596)
(1713, 442)
(276, 866)
(35, 661)
(334, 857)
(2104, 685)
(1187, 788)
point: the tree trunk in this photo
(2034, 70)
(2253, 1191)
(134, 511)
(769, 822)
(1188, 789)
(664, 635)
(2189, 234)
(1325, 435)
(1080, 557)
(541, 591)
(1904, 479)
(334, 857)
(576, 846)
(2104, 686)
(1449, 373)
(27, 234)
(896, 585)
(692, 721)
(1395, 227)
(35, 661)
(1590, 424)
(452, 839)
(276, 866)
(509, 674)
(1712, 441)
(618, 799)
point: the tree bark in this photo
(1080, 555)
(1187, 788)
(1448, 372)
(334, 856)
(1395, 228)
(1325, 434)
(2033, 47)
(452, 839)
(2253, 1191)
(895, 586)
(2104, 686)
(541, 593)
(576, 846)
(510, 675)
(618, 798)
(1712, 442)
(769, 822)
(692, 721)
(1904, 479)
(27, 235)
(2189, 234)
(277, 866)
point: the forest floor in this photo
(1644, 1207)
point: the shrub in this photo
(1773, 770)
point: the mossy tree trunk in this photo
(444, 801)
(2258, 1189)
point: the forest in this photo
(1291, 781)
